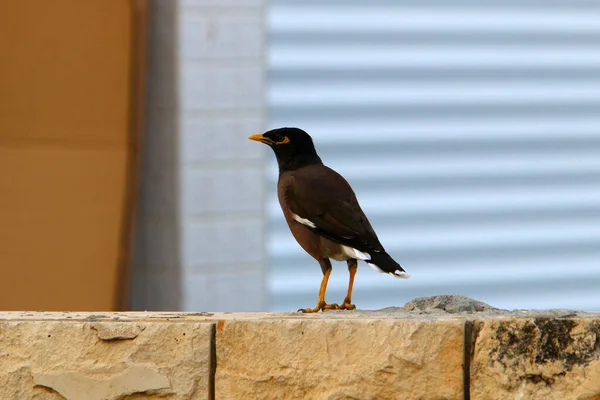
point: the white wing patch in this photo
(304, 221)
(353, 253)
(347, 250)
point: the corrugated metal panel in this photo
(471, 133)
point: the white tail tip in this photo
(396, 274)
(375, 267)
(400, 274)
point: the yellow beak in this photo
(260, 138)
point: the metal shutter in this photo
(470, 131)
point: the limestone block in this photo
(359, 358)
(536, 358)
(104, 360)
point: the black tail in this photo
(383, 263)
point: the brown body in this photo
(318, 247)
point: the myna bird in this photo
(322, 212)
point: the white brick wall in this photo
(207, 94)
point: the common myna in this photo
(322, 212)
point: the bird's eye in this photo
(281, 139)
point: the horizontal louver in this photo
(470, 132)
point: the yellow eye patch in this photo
(283, 141)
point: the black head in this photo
(293, 147)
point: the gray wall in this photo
(200, 227)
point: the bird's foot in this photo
(332, 306)
(325, 307)
(321, 306)
(347, 306)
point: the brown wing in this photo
(324, 197)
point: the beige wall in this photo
(388, 354)
(65, 121)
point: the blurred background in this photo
(469, 130)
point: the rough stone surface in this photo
(74, 385)
(354, 358)
(411, 352)
(451, 304)
(536, 358)
(83, 360)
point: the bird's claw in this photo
(344, 306)
(308, 310)
(347, 306)
(324, 307)
(321, 306)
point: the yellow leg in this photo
(321, 305)
(347, 304)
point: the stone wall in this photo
(387, 354)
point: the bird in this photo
(323, 213)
